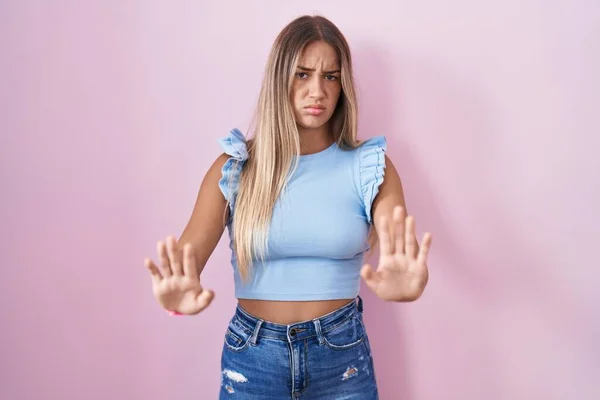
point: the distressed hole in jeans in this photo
(233, 376)
(350, 372)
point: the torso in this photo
(289, 312)
(317, 234)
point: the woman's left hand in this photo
(402, 271)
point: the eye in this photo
(302, 75)
(331, 77)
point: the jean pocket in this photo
(237, 336)
(346, 335)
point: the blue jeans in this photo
(326, 358)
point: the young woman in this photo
(303, 200)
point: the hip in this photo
(321, 358)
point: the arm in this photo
(207, 221)
(390, 195)
(402, 272)
(176, 278)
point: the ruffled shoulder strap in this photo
(371, 168)
(235, 146)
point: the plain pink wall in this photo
(110, 113)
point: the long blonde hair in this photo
(275, 145)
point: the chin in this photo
(312, 123)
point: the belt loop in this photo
(319, 333)
(255, 333)
(360, 304)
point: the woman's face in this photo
(316, 86)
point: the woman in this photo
(300, 200)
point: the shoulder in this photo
(375, 142)
(370, 165)
(235, 145)
(228, 166)
(235, 152)
(370, 156)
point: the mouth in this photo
(315, 109)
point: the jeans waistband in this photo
(299, 330)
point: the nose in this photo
(316, 90)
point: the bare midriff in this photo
(289, 312)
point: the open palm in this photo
(402, 271)
(175, 281)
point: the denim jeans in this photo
(326, 358)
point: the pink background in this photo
(110, 112)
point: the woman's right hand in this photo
(176, 283)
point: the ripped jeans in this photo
(326, 358)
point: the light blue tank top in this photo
(318, 232)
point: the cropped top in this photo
(320, 223)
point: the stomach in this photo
(290, 312)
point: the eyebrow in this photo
(313, 70)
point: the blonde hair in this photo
(275, 145)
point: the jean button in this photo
(293, 332)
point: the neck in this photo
(313, 140)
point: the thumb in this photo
(370, 277)
(204, 298)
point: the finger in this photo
(385, 249)
(370, 277)
(174, 256)
(189, 262)
(204, 299)
(410, 241)
(165, 267)
(424, 248)
(392, 232)
(399, 222)
(154, 272)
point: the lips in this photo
(314, 109)
(316, 106)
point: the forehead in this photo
(319, 55)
